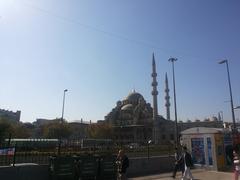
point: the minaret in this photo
(155, 106)
(167, 98)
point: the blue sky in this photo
(101, 50)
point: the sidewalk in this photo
(198, 174)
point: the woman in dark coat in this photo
(123, 164)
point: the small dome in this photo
(213, 118)
(127, 107)
(134, 97)
(118, 103)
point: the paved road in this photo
(198, 174)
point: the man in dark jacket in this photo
(187, 162)
(178, 164)
(123, 164)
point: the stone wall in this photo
(138, 167)
(28, 172)
(153, 165)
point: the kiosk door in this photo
(209, 151)
(198, 154)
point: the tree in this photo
(100, 131)
(56, 130)
(20, 131)
(5, 129)
(13, 129)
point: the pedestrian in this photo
(177, 163)
(187, 163)
(236, 165)
(123, 164)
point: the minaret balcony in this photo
(167, 104)
(154, 93)
(154, 74)
(154, 83)
(167, 97)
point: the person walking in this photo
(236, 163)
(187, 163)
(178, 164)
(123, 163)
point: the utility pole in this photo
(175, 103)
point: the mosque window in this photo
(163, 129)
(163, 137)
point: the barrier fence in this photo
(38, 151)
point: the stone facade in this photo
(132, 120)
(133, 110)
(10, 115)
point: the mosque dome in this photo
(134, 97)
(127, 107)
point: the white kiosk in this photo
(208, 146)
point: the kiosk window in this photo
(220, 150)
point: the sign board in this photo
(7, 151)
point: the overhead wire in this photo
(108, 33)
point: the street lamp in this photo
(61, 121)
(148, 143)
(237, 107)
(230, 91)
(64, 92)
(175, 103)
(220, 113)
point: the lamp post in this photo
(175, 103)
(61, 122)
(64, 92)
(221, 115)
(230, 91)
(237, 107)
(148, 143)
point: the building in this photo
(10, 115)
(210, 123)
(78, 127)
(131, 119)
(79, 130)
(42, 121)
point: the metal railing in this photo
(39, 153)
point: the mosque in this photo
(135, 121)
